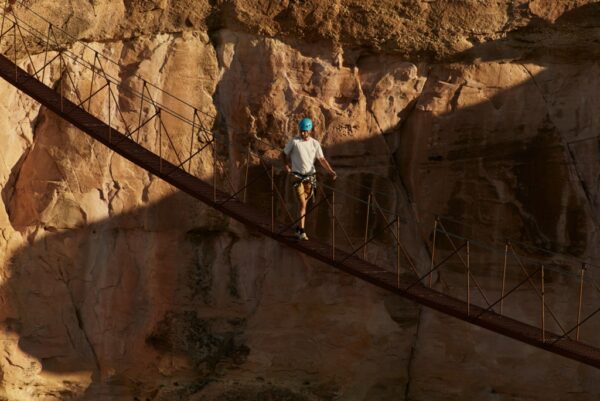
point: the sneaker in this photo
(300, 234)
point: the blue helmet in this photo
(305, 124)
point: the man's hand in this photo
(286, 163)
(327, 167)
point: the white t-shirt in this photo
(303, 154)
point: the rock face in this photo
(114, 286)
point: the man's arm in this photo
(286, 162)
(285, 155)
(327, 167)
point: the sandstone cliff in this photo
(114, 286)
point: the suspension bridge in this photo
(167, 137)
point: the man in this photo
(299, 158)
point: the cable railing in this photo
(71, 40)
(558, 297)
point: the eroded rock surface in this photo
(114, 286)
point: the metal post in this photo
(433, 252)
(61, 84)
(398, 250)
(543, 309)
(192, 140)
(140, 113)
(159, 140)
(580, 300)
(333, 225)
(214, 173)
(468, 278)
(45, 50)
(272, 199)
(89, 103)
(247, 168)
(109, 114)
(367, 227)
(3, 19)
(504, 277)
(15, 48)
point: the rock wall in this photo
(114, 286)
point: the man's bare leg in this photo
(303, 202)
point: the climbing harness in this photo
(306, 178)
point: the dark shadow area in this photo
(519, 163)
(80, 298)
